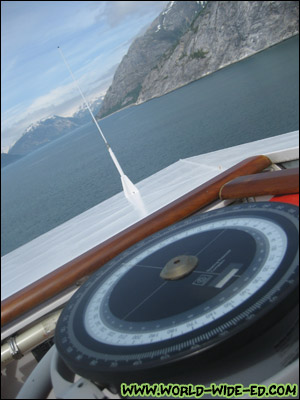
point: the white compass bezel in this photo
(102, 332)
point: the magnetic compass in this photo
(188, 292)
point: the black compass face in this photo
(183, 292)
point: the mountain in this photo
(82, 116)
(7, 159)
(145, 52)
(41, 133)
(192, 39)
(47, 130)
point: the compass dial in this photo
(226, 271)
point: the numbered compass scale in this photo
(168, 302)
(185, 295)
(72, 272)
(179, 266)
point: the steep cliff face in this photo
(192, 39)
(226, 32)
(145, 52)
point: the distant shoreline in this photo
(203, 76)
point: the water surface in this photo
(250, 100)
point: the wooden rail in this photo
(268, 183)
(68, 274)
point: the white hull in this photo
(22, 267)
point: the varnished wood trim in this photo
(268, 183)
(66, 275)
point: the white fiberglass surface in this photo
(53, 249)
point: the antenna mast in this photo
(128, 187)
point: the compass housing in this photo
(129, 324)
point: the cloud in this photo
(54, 98)
(94, 37)
(51, 19)
(118, 11)
(63, 100)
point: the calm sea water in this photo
(250, 100)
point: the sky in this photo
(93, 35)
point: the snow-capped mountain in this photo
(47, 130)
(43, 132)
